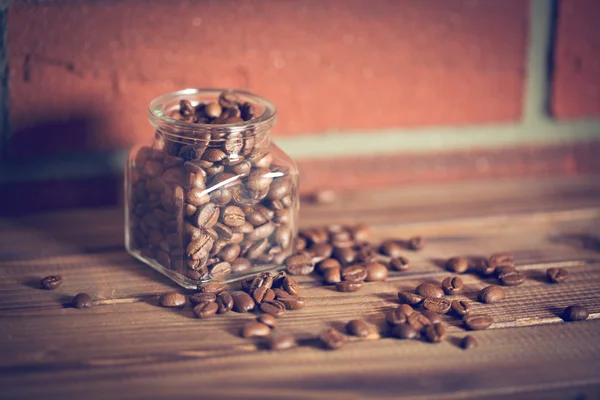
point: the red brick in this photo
(328, 65)
(576, 85)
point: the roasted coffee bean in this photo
(259, 179)
(299, 244)
(332, 339)
(212, 287)
(406, 309)
(255, 329)
(328, 263)
(491, 294)
(416, 243)
(399, 264)
(429, 290)
(233, 216)
(206, 309)
(345, 255)
(214, 155)
(362, 329)
(468, 342)
(391, 248)
(557, 275)
(173, 299)
(292, 302)
(242, 302)
(278, 279)
(290, 285)
(332, 276)
(207, 216)
(199, 248)
(410, 298)
(282, 343)
(300, 264)
(261, 232)
(246, 283)
(51, 282)
(279, 293)
(355, 273)
(230, 252)
(246, 227)
(262, 280)
(276, 308)
(511, 278)
(280, 188)
(203, 298)
(256, 249)
(452, 285)
(224, 302)
(84, 300)
(432, 316)
(404, 331)
(247, 111)
(376, 272)
(223, 231)
(575, 313)
(435, 333)
(321, 251)
(476, 322)
(460, 308)
(268, 320)
(441, 306)
(503, 269)
(483, 267)
(396, 317)
(197, 197)
(366, 253)
(458, 265)
(361, 232)
(259, 294)
(498, 259)
(220, 270)
(418, 321)
(185, 108)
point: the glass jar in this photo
(211, 198)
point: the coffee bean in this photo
(321, 251)
(575, 313)
(557, 275)
(435, 333)
(460, 308)
(360, 232)
(366, 253)
(483, 267)
(457, 265)
(224, 302)
(242, 302)
(491, 294)
(396, 317)
(240, 265)
(332, 276)
(262, 280)
(207, 216)
(279, 189)
(223, 231)
(399, 264)
(51, 282)
(441, 306)
(275, 308)
(282, 343)
(345, 255)
(354, 273)
(203, 298)
(173, 299)
(279, 293)
(259, 294)
(84, 300)
(212, 287)
(498, 259)
(511, 278)
(259, 179)
(432, 316)
(290, 285)
(230, 252)
(362, 329)
(256, 249)
(255, 329)
(410, 298)
(233, 216)
(406, 309)
(300, 264)
(348, 286)
(391, 248)
(268, 320)
(468, 342)
(477, 322)
(332, 339)
(429, 290)
(299, 244)
(292, 302)
(328, 263)
(404, 331)
(206, 309)
(416, 243)
(503, 269)
(376, 272)
(220, 270)
(452, 285)
(418, 321)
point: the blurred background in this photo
(371, 93)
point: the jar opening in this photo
(161, 109)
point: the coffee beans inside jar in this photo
(212, 197)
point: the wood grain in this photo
(128, 347)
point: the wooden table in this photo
(127, 347)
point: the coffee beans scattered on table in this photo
(285, 342)
(172, 300)
(84, 300)
(477, 322)
(557, 275)
(452, 285)
(51, 282)
(458, 265)
(491, 294)
(332, 339)
(575, 313)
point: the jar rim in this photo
(160, 120)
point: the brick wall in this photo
(82, 73)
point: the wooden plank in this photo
(509, 363)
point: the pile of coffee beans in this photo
(344, 257)
(213, 203)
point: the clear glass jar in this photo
(211, 198)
